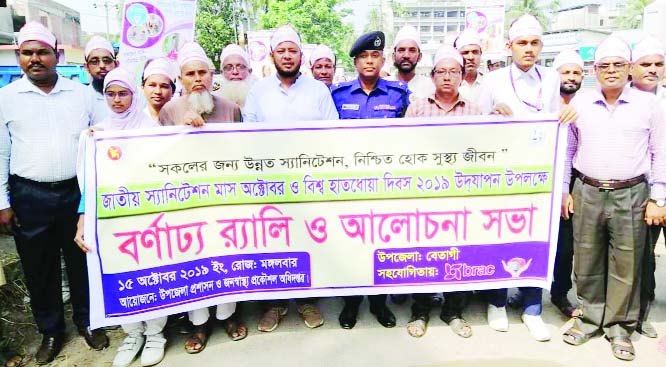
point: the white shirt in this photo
(472, 91)
(421, 87)
(100, 106)
(305, 100)
(39, 132)
(497, 87)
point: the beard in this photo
(404, 69)
(287, 74)
(236, 90)
(201, 102)
(98, 85)
(569, 89)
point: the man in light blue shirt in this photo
(288, 95)
(100, 60)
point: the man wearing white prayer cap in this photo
(322, 64)
(237, 78)
(468, 44)
(522, 89)
(627, 127)
(406, 56)
(158, 83)
(569, 65)
(41, 117)
(100, 59)
(647, 71)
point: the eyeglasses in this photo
(103, 60)
(229, 68)
(616, 65)
(441, 72)
(122, 94)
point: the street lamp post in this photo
(106, 4)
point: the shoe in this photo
(348, 317)
(96, 339)
(153, 352)
(647, 329)
(271, 319)
(398, 299)
(128, 350)
(49, 349)
(497, 318)
(565, 307)
(536, 326)
(311, 315)
(436, 300)
(384, 316)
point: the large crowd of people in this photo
(614, 184)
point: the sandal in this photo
(622, 348)
(460, 327)
(417, 325)
(17, 361)
(575, 337)
(235, 329)
(199, 337)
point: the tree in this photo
(216, 26)
(317, 21)
(632, 15)
(539, 9)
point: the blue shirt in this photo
(389, 99)
(305, 100)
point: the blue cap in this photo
(373, 41)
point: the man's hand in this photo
(502, 109)
(193, 119)
(6, 220)
(78, 238)
(567, 205)
(92, 129)
(568, 115)
(654, 214)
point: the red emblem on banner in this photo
(114, 153)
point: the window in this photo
(425, 28)
(439, 14)
(438, 28)
(425, 14)
(452, 28)
(452, 14)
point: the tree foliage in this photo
(632, 14)
(539, 9)
(216, 25)
(317, 21)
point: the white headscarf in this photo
(407, 32)
(35, 31)
(234, 49)
(192, 51)
(648, 46)
(448, 52)
(568, 56)
(98, 42)
(321, 52)
(612, 46)
(525, 25)
(283, 34)
(132, 118)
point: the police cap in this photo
(373, 41)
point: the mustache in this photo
(34, 65)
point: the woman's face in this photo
(118, 98)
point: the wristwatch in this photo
(660, 203)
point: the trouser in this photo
(609, 240)
(563, 260)
(46, 217)
(454, 304)
(530, 296)
(147, 328)
(649, 283)
(223, 312)
(376, 301)
(284, 303)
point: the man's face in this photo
(495, 66)
(472, 56)
(571, 77)
(369, 63)
(323, 70)
(235, 68)
(406, 55)
(196, 77)
(446, 76)
(647, 72)
(612, 72)
(525, 51)
(100, 62)
(38, 60)
(287, 58)
(157, 90)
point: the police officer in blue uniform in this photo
(369, 97)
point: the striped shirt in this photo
(39, 132)
(431, 107)
(618, 142)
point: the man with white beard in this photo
(237, 78)
(197, 105)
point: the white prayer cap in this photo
(568, 56)
(35, 31)
(162, 66)
(448, 52)
(321, 52)
(234, 49)
(191, 51)
(612, 46)
(122, 77)
(98, 42)
(648, 46)
(407, 32)
(466, 38)
(283, 34)
(525, 25)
